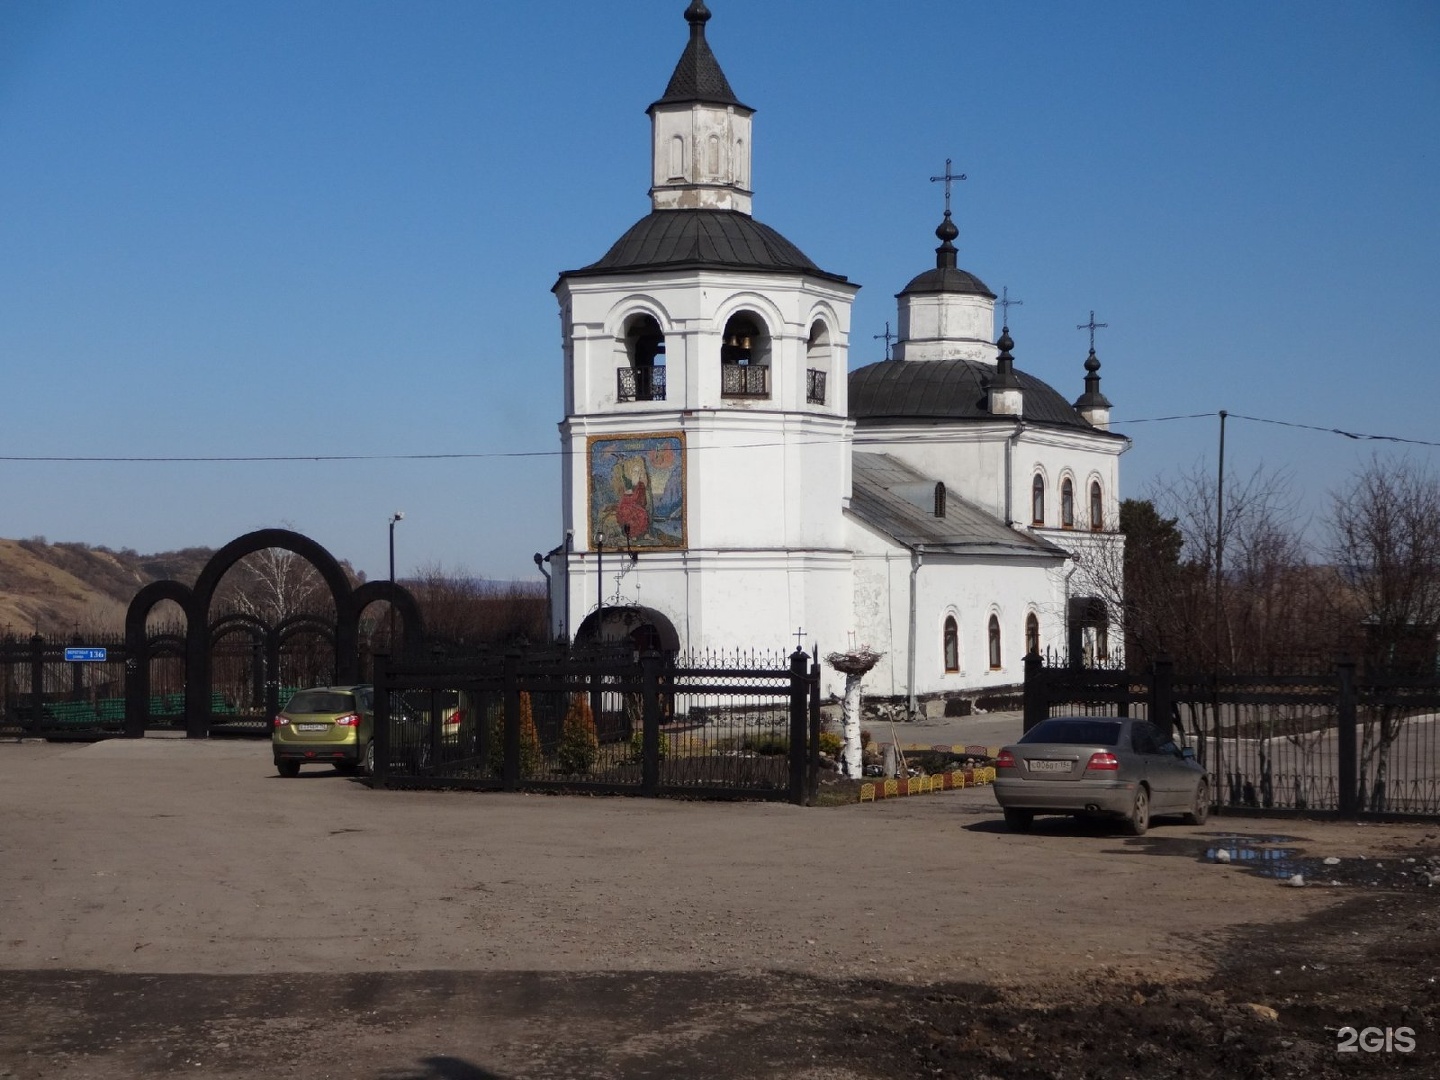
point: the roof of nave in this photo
(884, 496)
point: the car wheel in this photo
(288, 768)
(369, 765)
(1139, 819)
(1200, 809)
(1019, 820)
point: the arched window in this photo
(1032, 635)
(677, 158)
(745, 358)
(952, 644)
(817, 363)
(1037, 500)
(1097, 507)
(1067, 503)
(644, 379)
(994, 643)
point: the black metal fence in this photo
(76, 689)
(622, 723)
(1331, 742)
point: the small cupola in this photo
(946, 313)
(1007, 398)
(701, 151)
(1093, 405)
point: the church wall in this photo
(969, 459)
(970, 590)
(723, 601)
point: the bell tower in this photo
(706, 438)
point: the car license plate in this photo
(1043, 765)
(311, 727)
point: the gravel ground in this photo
(174, 908)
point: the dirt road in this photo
(173, 907)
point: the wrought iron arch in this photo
(137, 648)
(412, 627)
(198, 632)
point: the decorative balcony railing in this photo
(815, 386)
(744, 380)
(640, 384)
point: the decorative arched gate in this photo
(200, 635)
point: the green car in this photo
(326, 725)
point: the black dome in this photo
(896, 390)
(947, 279)
(702, 240)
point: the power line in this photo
(515, 454)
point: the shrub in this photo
(579, 745)
(769, 743)
(831, 744)
(531, 756)
(637, 745)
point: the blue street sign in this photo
(82, 655)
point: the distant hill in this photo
(56, 588)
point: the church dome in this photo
(947, 279)
(948, 390)
(702, 240)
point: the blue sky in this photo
(242, 229)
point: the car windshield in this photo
(321, 701)
(1079, 731)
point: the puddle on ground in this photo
(1265, 855)
(1281, 857)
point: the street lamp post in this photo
(395, 517)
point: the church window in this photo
(817, 363)
(1037, 500)
(745, 358)
(677, 158)
(742, 173)
(994, 643)
(952, 644)
(1067, 503)
(1032, 635)
(1097, 507)
(644, 379)
(713, 157)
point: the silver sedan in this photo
(1103, 766)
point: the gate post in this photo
(1345, 731)
(649, 722)
(1162, 695)
(1035, 704)
(37, 681)
(381, 735)
(812, 759)
(512, 721)
(799, 723)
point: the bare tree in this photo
(1385, 547)
(274, 584)
(464, 610)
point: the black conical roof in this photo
(698, 76)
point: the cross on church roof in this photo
(889, 337)
(1006, 304)
(948, 178)
(1092, 326)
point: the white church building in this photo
(729, 484)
